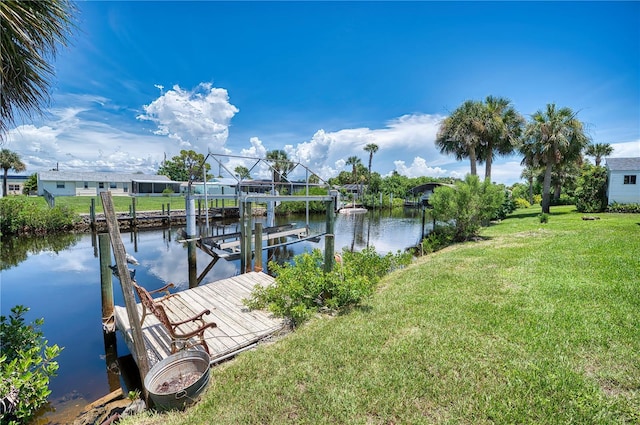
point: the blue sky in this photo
(142, 80)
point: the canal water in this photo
(58, 278)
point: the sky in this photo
(142, 80)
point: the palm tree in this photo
(530, 174)
(554, 136)
(9, 160)
(371, 148)
(280, 164)
(460, 133)
(599, 151)
(354, 161)
(502, 130)
(31, 32)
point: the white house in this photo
(62, 183)
(624, 180)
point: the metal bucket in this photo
(168, 381)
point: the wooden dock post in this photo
(134, 221)
(258, 248)
(247, 235)
(92, 214)
(329, 241)
(139, 351)
(106, 283)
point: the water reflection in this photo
(15, 250)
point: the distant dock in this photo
(238, 328)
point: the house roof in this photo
(99, 177)
(623, 164)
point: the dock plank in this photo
(237, 327)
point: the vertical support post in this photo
(424, 214)
(192, 264)
(191, 216)
(329, 242)
(92, 214)
(247, 244)
(134, 221)
(258, 248)
(199, 210)
(243, 231)
(169, 213)
(106, 284)
(139, 349)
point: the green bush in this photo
(26, 365)
(21, 214)
(522, 203)
(468, 205)
(303, 288)
(438, 239)
(544, 218)
(591, 193)
(624, 208)
(537, 199)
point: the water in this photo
(58, 278)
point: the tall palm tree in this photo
(371, 148)
(9, 160)
(460, 133)
(31, 33)
(553, 136)
(599, 151)
(354, 161)
(501, 131)
(281, 165)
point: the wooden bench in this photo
(177, 334)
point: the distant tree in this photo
(9, 160)
(552, 137)
(371, 148)
(460, 133)
(186, 167)
(354, 161)
(242, 172)
(314, 179)
(280, 164)
(31, 32)
(529, 173)
(599, 151)
(31, 185)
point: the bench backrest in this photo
(153, 307)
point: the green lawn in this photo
(534, 324)
(82, 204)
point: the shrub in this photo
(537, 199)
(591, 194)
(303, 288)
(438, 239)
(467, 206)
(522, 203)
(20, 214)
(623, 208)
(26, 364)
(544, 218)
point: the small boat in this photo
(352, 210)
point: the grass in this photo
(534, 324)
(82, 204)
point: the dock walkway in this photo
(238, 328)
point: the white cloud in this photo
(197, 119)
(73, 142)
(420, 168)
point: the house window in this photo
(101, 185)
(60, 185)
(125, 187)
(631, 179)
(86, 185)
(112, 185)
(14, 188)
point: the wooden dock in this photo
(238, 328)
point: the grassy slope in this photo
(538, 323)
